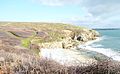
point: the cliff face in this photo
(21, 42)
(44, 35)
(72, 39)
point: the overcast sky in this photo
(90, 13)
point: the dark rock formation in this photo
(79, 38)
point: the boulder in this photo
(95, 33)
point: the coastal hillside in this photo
(22, 45)
(31, 35)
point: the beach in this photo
(81, 55)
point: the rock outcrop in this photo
(45, 35)
(23, 41)
(73, 39)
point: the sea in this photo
(108, 44)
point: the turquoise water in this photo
(110, 39)
(109, 44)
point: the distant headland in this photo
(106, 28)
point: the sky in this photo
(89, 13)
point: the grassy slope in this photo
(47, 32)
(20, 60)
(53, 31)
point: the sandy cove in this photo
(67, 57)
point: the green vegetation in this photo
(19, 60)
(36, 33)
(56, 36)
(26, 42)
(36, 52)
(53, 30)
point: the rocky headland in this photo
(44, 35)
(27, 42)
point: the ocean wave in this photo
(91, 42)
(97, 48)
(96, 45)
(108, 52)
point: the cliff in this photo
(26, 39)
(20, 44)
(44, 35)
(72, 38)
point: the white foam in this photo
(90, 42)
(96, 45)
(106, 51)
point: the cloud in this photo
(105, 11)
(95, 7)
(102, 7)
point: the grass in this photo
(36, 52)
(26, 42)
(54, 30)
(56, 36)
(24, 61)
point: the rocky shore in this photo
(45, 38)
(50, 48)
(73, 39)
(65, 51)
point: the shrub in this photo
(26, 42)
